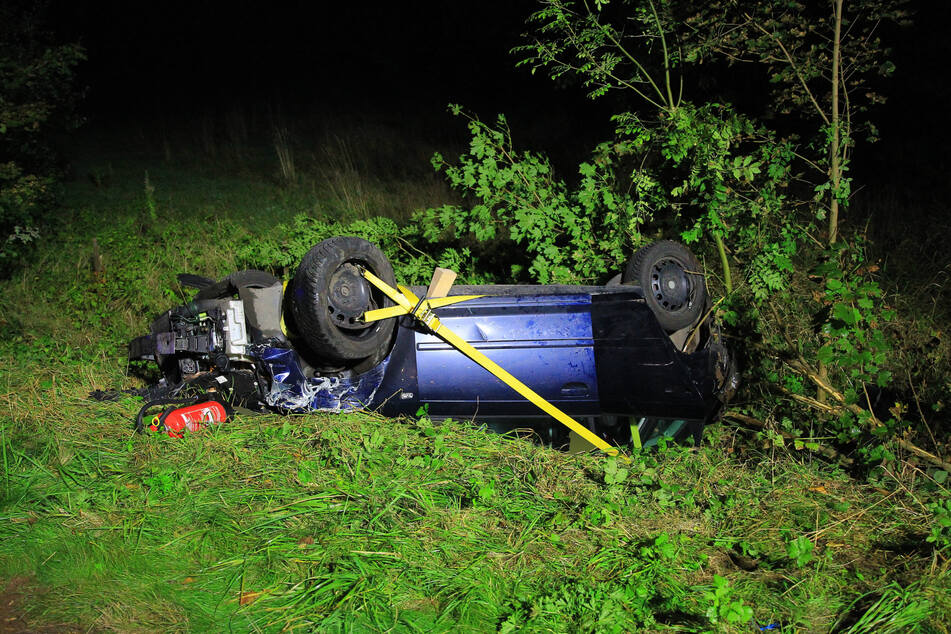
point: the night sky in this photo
(346, 55)
(179, 58)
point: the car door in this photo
(543, 340)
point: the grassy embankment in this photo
(361, 523)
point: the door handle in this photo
(575, 390)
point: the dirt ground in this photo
(12, 618)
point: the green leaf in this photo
(826, 354)
(800, 550)
(691, 235)
(845, 313)
(884, 378)
(738, 612)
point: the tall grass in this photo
(361, 523)
(285, 155)
(322, 164)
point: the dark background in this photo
(411, 59)
(372, 54)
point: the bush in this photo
(556, 233)
(282, 248)
(36, 98)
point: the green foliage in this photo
(793, 40)
(770, 269)
(572, 39)
(940, 508)
(722, 175)
(614, 474)
(730, 176)
(800, 550)
(636, 45)
(823, 62)
(35, 100)
(724, 606)
(895, 610)
(283, 246)
(854, 332)
(567, 235)
(620, 606)
(24, 200)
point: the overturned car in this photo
(638, 357)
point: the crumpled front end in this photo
(236, 346)
(292, 391)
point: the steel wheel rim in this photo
(671, 285)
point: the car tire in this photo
(330, 296)
(672, 280)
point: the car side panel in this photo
(544, 341)
(639, 370)
(588, 353)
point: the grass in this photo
(360, 523)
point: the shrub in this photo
(35, 98)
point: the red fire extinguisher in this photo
(192, 418)
(176, 421)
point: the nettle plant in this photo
(854, 344)
(854, 339)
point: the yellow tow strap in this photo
(409, 304)
(431, 302)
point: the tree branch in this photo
(828, 452)
(805, 369)
(792, 65)
(607, 33)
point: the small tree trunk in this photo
(96, 262)
(724, 263)
(835, 164)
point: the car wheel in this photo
(672, 281)
(330, 296)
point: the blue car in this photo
(640, 352)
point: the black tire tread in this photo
(325, 339)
